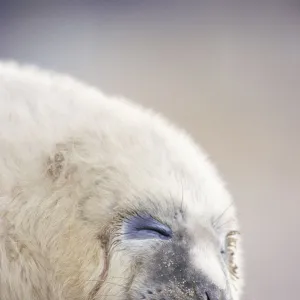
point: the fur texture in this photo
(75, 164)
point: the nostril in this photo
(207, 296)
(213, 294)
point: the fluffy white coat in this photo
(70, 156)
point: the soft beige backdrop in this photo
(228, 73)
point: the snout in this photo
(170, 276)
(182, 291)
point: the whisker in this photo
(223, 224)
(215, 222)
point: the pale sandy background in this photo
(227, 73)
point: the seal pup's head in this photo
(165, 220)
(123, 205)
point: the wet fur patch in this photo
(58, 166)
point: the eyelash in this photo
(160, 231)
(146, 227)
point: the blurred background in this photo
(229, 73)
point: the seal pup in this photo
(102, 199)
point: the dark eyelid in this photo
(161, 230)
(144, 226)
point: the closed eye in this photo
(141, 227)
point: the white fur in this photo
(68, 154)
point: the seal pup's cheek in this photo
(115, 283)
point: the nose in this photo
(210, 294)
(206, 290)
(213, 295)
